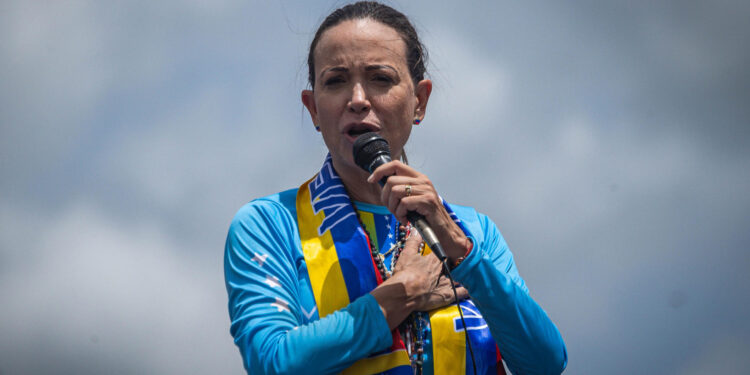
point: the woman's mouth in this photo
(355, 130)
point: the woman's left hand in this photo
(408, 190)
(423, 272)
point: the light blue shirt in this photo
(274, 320)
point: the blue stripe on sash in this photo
(400, 370)
(481, 340)
(329, 195)
(354, 258)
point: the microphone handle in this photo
(428, 235)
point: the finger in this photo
(395, 167)
(395, 199)
(387, 169)
(449, 297)
(414, 240)
(462, 293)
(406, 204)
(385, 195)
(444, 296)
(403, 180)
(395, 187)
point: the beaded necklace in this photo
(415, 327)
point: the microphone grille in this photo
(367, 147)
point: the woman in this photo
(330, 277)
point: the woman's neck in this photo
(355, 181)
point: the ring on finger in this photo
(408, 190)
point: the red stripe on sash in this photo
(374, 265)
(500, 367)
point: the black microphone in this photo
(371, 151)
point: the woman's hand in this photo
(408, 190)
(443, 295)
(430, 288)
(416, 285)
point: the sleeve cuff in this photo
(464, 269)
(376, 323)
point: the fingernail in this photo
(369, 179)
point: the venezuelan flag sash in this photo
(341, 270)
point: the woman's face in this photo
(362, 83)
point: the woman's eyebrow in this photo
(380, 66)
(367, 69)
(334, 69)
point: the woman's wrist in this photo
(458, 245)
(469, 245)
(453, 239)
(394, 301)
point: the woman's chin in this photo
(344, 159)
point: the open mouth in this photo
(356, 130)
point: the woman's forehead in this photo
(360, 41)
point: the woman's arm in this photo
(528, 340)
(266, 307)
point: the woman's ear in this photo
(422, 92)
(308, 99)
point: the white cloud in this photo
(64, 59)
(84, 283)
(471, 90)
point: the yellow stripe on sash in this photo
(320, 257)
(327, 280)
(378, 364)
(449, 357)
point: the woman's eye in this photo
(333, 81)
(382, 78)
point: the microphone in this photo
(371, 151)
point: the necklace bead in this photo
(415, 327)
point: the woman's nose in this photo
(359, 102)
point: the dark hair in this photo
(416, 55)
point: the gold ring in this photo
(408, 190)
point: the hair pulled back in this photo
(416, 55)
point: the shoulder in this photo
(264, 227)
(475, 222)
(272, 209)
(264, 221)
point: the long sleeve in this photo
(528, 340)
(273, 316)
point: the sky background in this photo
(607, 140)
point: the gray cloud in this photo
(607, 140)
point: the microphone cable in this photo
(447, 272)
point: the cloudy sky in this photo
(608, 140)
